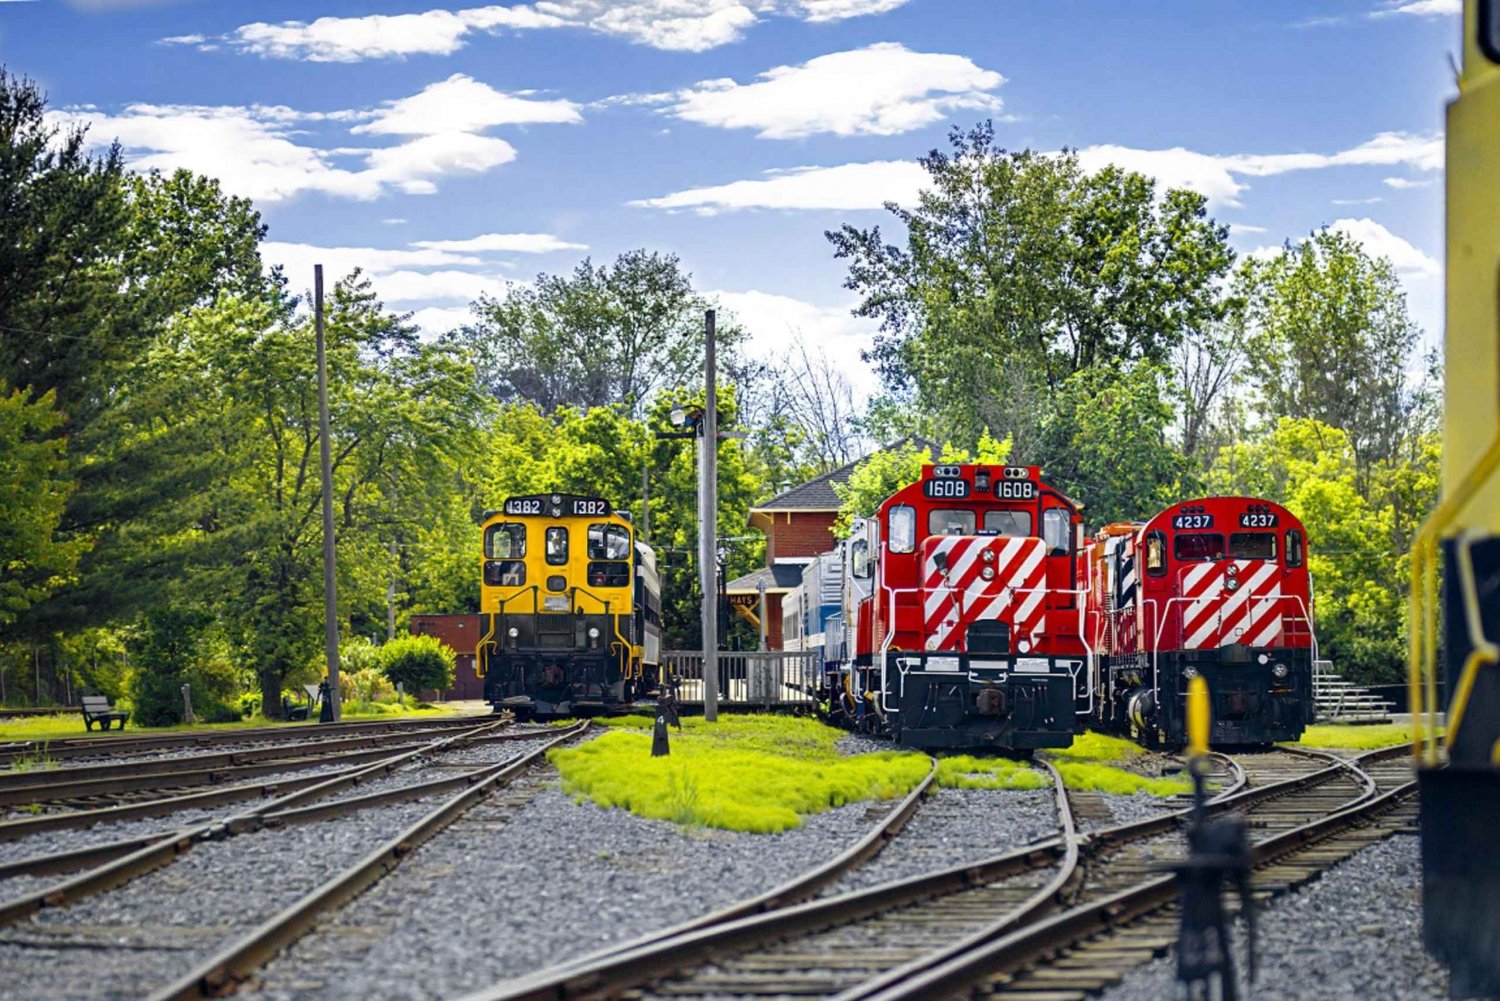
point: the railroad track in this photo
(117, 745)
(878, 942)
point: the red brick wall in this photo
(800, 534)
(773, 627)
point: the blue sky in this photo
(452, 149)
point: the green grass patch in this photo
(1089, 775)
(1364, 737)
(744, 773)
(1093, 746)
(964, 771)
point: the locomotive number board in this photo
(557, 506)
(1019, 490)
(1256, 519)
(1192, 521)
(947, 489)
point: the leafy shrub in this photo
(175, 647)
(365, 685)
(418, 662)
(221, 712)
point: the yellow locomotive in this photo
(1459, 770)
(570, 603)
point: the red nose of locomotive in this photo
(969, 580)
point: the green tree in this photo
(1020, 269)
(418, 663)
(606, 334)
(888, 470)
(1330, 340)
(34, 489)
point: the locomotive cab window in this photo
(1252, 545)
(1016, 524)
(1156, 554)
(1294, 548)
(949, 521)
(1193, 546)
(903, 528)
(505, 541)
(505, 573)
(859, 558)
(1055, 531)
(609, 542)
(607, 573)
(557, 545)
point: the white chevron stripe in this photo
(1195, 574)
(1204, 635)
(1270, 611)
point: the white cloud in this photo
(1177, 167)
(680, 25)
(1422, 8)
(298, 260)
(883, 89)
(1381, 242)
(1376, 200)
(463, 104)
(258, 151)
(1240, 227)
(1402, 183)
(516, 243)
(393, 222)
(847, 186)
(436, 320)
(435, 286)
(777, 323)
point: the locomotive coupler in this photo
(1218, 854)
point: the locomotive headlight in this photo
(513, 632)
(1232, 584)
(1264, 658)
(988, 573)
(1024, 646)
(1279, 671)
(1190, 672)
(988, 556)
(593, 632)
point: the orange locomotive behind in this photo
(966, 611)
(1216, 587)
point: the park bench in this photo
(96, 709)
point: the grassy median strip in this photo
(744, 773)
(1367, 736)
(965, 771)
(1090, 765)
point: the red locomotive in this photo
(1217, 587)
(966, 613)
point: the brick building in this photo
(798, 525)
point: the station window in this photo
(1294, 548)
(557, 545)
(1011, 523)
(1055, 531)
(903, 529)
(1198, 546)
(1252, 545)
(859, 559)
(505, 541)
(609, 542)
(1156, 554)
(949, 521)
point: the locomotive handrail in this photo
(885, 644)
(1161, 622)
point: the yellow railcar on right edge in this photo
(1455, 654)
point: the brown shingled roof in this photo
(818, 494)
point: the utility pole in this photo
(645, 533)
(330, 596)
(390, 596)
(708, 523)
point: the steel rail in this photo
(960, 973)
(608, 974)
(170, 846)
(103, 745)
(241, 958)
(793, 890)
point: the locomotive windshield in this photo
(557, 545)
(1012, 523)
(1252, 545)
(609, 542)
(903, 528)
(950, 521)
(505, 541)
(1198, 546)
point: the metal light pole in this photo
(760, 586)
(330, 596)
(708, 523)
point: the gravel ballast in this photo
(501, 894)
(957, 826)
(1355, 933)
(154, 928)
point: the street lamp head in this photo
(677, 416)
